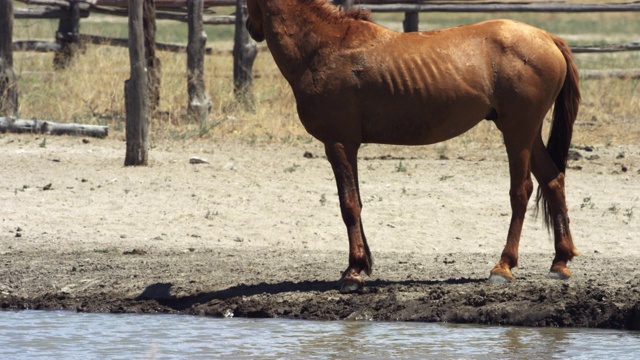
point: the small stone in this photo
(197, 160)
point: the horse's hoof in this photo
(351, 281)
(559, 272)
(349, 286)
(559, 275)
(500, 275)
(499, 279)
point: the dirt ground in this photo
(257, 232)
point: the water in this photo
(69, 335)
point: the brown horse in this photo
(356, 82)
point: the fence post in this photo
(199, 102)
(136, 91)
(8, 79)
(67, 36)
(410, 22)
(154, 67)
(245, 51)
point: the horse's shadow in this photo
(161, 292)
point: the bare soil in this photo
(257, 232)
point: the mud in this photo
(257, 232)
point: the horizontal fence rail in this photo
(608, 48)
(501, 7)
(45, 13)
(162, 4)
(610, 73)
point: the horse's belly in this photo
(414, 135)
(423, 106)
(416, 125)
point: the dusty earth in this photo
(257, 232)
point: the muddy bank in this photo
(431, 290)
(257, 233)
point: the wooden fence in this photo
(69, 12)
(72, 11)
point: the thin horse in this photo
(356, 82)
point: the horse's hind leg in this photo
(551, 182)
(343, 159)
(519, 153)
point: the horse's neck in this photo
(295, 36)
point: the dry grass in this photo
(91, 91)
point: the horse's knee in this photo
(520, 197)
(528, 187)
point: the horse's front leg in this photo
(343, 159)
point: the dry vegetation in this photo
(91, 91)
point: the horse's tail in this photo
(565, 112)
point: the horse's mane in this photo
(333, 13)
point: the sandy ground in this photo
(257, 232)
